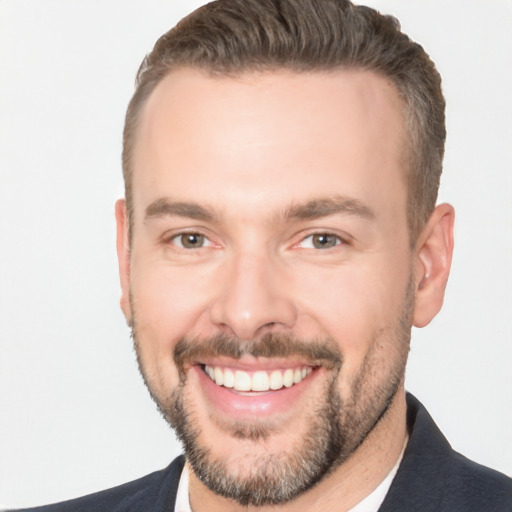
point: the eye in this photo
(321, 241)
(190, 241)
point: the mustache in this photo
(315, 352)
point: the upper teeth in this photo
(256, 381)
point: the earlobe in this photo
(432, 264)
(123, 257)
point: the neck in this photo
(341, 489)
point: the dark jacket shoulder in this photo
(156, 491)
(434, 478)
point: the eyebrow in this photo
(314, 209)
(163, 207)
(323, 207)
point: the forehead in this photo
(282, 134)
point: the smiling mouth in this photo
(261, 380)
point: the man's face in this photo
(270, 250)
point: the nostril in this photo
(250, 312)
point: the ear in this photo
(123, 257)
(433, 260)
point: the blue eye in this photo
(321, 241)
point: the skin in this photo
(248, 149)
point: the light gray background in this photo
(75, 416)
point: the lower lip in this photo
(265, 403)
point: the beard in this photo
(335, 427)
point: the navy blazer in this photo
(431, 478)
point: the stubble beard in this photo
(336, 427)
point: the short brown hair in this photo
(229, 37)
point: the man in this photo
(278, 240)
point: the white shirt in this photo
(371, 503)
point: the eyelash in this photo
(171, 240)
(340, 240)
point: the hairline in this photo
(408, 158)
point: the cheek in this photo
(166, 305)
(167, 300)
(353, 305)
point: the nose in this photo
(253, 297)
